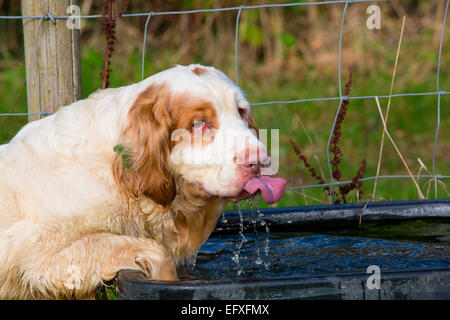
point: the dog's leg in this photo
(77, 268)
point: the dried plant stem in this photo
(305, 161)
(335, 150)
(314, 151)
(444, 187)
(304, 194)
(387, 109)
(109, 31)
(322, 174)
(305, 131)
(308, 196)
(428, 185)
(422, 166)
(362, 212)
(398, 151)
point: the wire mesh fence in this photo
(439, 92)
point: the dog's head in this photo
(192, 124)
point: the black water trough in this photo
(427, 223)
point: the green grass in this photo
(13, 80)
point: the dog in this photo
(130, 178)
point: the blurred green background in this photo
(284, 54)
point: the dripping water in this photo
(258, 219)
(236, 257)
(224, 219)
(254, 204)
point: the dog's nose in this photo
(252, 158)
(254, 168)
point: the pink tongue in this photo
(271, 188)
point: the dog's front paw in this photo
(157, 268)
(145, 255)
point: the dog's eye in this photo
(199, 126)
(243, 113)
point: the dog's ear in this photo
(143, 167)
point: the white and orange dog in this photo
(104, 184)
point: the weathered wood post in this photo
(58, 57)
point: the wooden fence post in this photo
(58, 57)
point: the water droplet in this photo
(258, 261)
(224, 219)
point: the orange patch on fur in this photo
(185, 110)
(199, 71)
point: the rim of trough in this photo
(138, 277)
(135, 283)
(374, 211)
